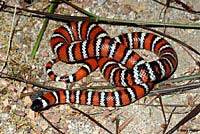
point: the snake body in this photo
(94, 48)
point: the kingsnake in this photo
(96, 49)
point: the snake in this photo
(89, 44)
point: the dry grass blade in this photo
(50, 123)
(170, 90)
(3, 75)
(124, 124)
(172, 38)
(12, 31)
(162, 108)
(66, 18)
(189, 116)
(185, 7)
(169, 120)
(117, 125)
(156, 92)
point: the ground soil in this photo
(142, 117)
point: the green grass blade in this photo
(51, 9)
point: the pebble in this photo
(4, 116)
(20, 113)
(100, 2)
(1, 46)
(4, 83)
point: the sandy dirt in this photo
(143, 117)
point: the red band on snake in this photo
(96, 49)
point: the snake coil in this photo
(94, 48)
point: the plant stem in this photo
(51, 9)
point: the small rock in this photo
(1, 46)
(4, 83)
(106, 113)
(101, 2)
(45, 54)
(5, 102)
(4, 116)
(30, 114)
(20, 113)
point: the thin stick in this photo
(169, 119)
(160, 91)
(105, 20)
(50, 123)
(10, 38)
(162, 109)
(188, 117)
(191, 11)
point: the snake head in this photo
(37, 105)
